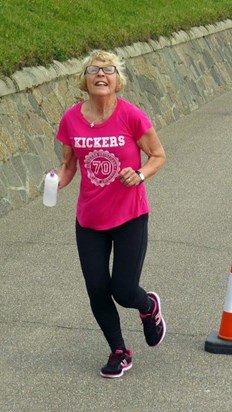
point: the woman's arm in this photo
(68, 166)
(150, 144)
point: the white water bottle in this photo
(50, 189)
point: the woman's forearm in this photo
(153, 165)
(65, 175)
(68, 167)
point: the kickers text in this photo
(96, 142)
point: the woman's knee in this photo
(98, 293)
(125, 298)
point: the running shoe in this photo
(118, 362)
(154, 326)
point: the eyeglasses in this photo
(96, 69)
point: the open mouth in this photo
(101, 84)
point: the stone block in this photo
(59, 68)
(5, 207)
(179, 37)
(7, 86)
(155, 44)
(10, 173)
(197, 32)
(164, 42)
(7, 145)
(138, 49)
(49, 74)
(39, 75)
(72, 66)
(3, 189)
(20, 169)
(33, 190)
(17, 197)
(120, 51)
(33, 166)
(22, 80)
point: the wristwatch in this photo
(141, 175)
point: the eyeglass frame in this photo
(101, 68)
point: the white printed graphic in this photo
(102, 167)
(99, 142)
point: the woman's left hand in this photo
(129, 177)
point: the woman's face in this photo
(101, 84)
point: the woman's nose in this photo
(101, 71)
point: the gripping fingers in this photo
(129, 178)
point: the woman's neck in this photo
(98, 110)
(102, 105)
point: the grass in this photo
(36, 32)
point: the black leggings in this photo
(129, 243)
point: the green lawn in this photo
(37, 31)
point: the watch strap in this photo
(141, 175)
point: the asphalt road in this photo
(51, 347)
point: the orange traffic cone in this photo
(225, 331)
(221, 342)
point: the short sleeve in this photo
(139, 122)
(62, 132)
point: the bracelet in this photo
(141, 175)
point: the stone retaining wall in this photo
(168, 78)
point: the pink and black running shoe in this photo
(118, 362)
(154, 326)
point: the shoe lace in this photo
(151, 322)
(115, 358)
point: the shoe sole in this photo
(119, 375)
(151, 294)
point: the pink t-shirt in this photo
(102, 151)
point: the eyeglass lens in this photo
(96, 69)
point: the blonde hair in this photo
(105, 57)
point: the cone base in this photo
(214, 344)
